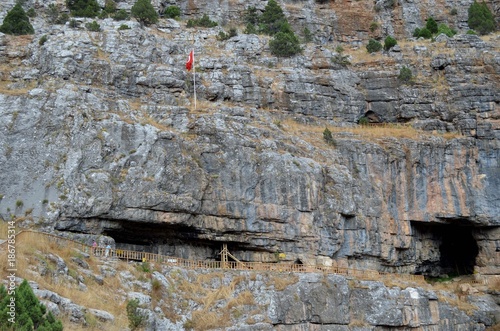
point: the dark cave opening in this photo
(171, 240)
(174, 240)
(451, 248)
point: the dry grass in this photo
(217, 301)
(491, 38)
(360, 56)
(7, 89)
(148, 120)
(245, 298)
(282, 281)
(202, 107)
(203, 320)
(135, 104)
(33, 248)
(4, 227)
(314, 133)
(466, 307)
(18, 42)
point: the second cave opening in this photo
(445, 248)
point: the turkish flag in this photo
(190, 61)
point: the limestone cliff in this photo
(99, 135)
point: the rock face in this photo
(99, 135)
(311, 302)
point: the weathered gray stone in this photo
(99, 136)
(143, 298)
(314, 301)
(102, 315)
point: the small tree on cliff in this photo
(144, 12)
(272, 19)
(431, 25)
(83, 8)
(16, 22)
(30, 313)
(480, 18)
(285, 44)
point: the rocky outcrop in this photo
(100, 139)
(316, 302)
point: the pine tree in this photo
(144, 12)
(285, 44)
(272, 19)
(83, 8)
(30, 313)
(431, 25)
(480, 18)
(16, 22)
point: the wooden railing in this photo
(204, 264)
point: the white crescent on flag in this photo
(189, 63)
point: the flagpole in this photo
(194, 80)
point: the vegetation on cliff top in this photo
(17, 22)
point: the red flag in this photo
(189, 63)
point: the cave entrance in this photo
(165, 239)
(446, 248)
(458, 250)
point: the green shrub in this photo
(389, 43)
(373, 46)
(94, 26)
(136, 318)
(251, 16)
(340, 58)
(43, 40)
(52, 13)
(144, 12)
(480, 18)
(203, 22)
(453, 11)
(83, 8)
(73, 23)
(471, 32)
(124, 27)
(250, 29)
(431, 25)
(285, 44)
(405, 75)
(145, 267)
(16, 22)
(374, 26)
(225, 36)
(109, 9)
(121, 15)
(31, 12)
(172, 12)
(422, 33)
(363, 120)
(308, 37)
(328, 137)
(443, 28)
(62, 19)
